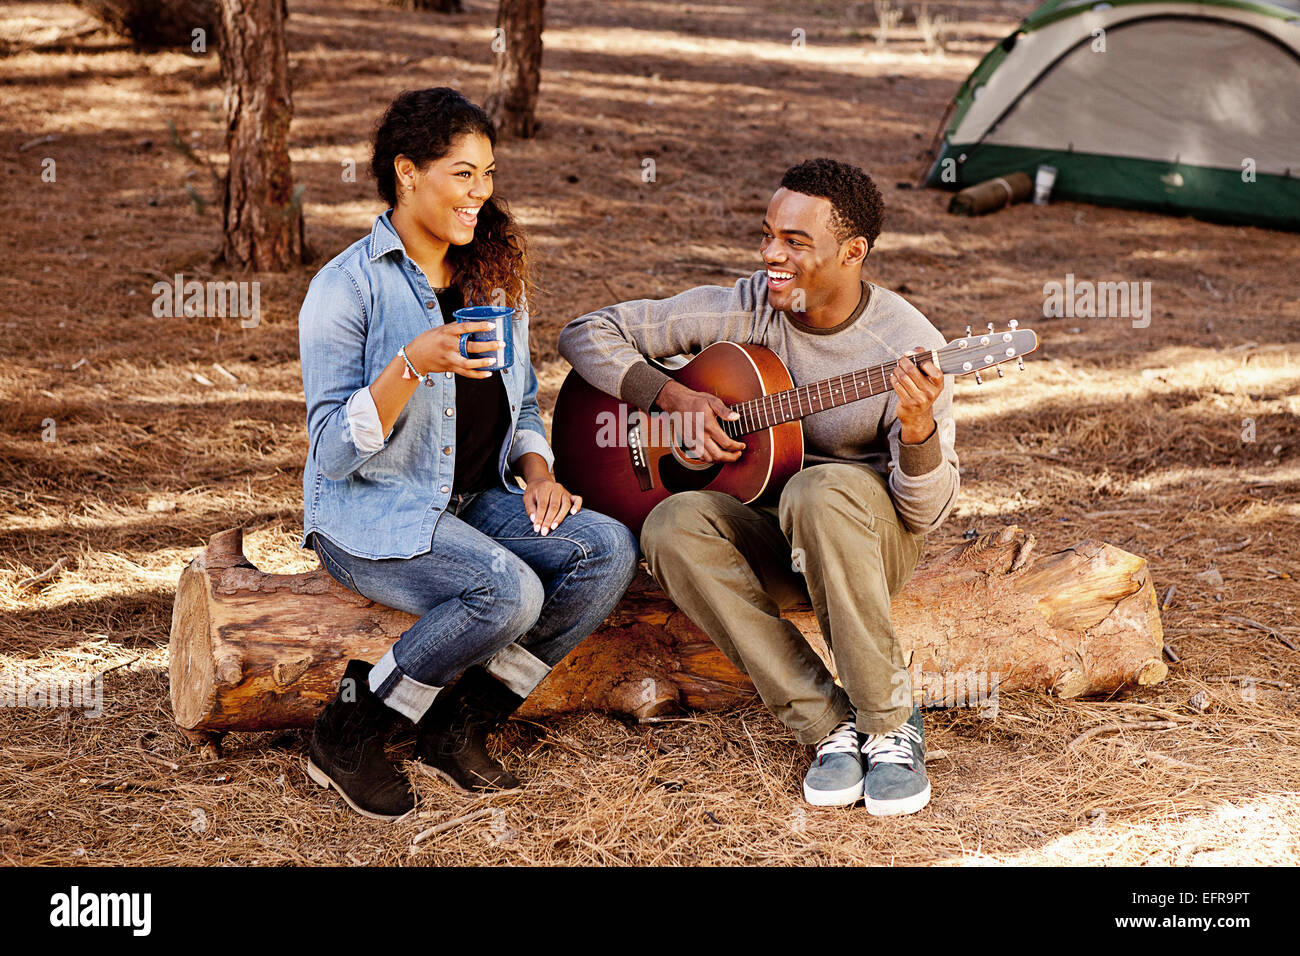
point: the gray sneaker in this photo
(835, 777)
(896, 782)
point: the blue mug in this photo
(502, 317)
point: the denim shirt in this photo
(359, 310)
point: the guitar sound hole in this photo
(675, 477)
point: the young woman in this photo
(409, 488)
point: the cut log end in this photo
(191, 665)
(1151, 671)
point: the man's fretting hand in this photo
(917, 389)
(697, 414)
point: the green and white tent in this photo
(1184, 107)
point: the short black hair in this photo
(856, 205)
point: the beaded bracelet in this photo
(411, 372)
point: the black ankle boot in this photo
(347, 750)
(452, 738)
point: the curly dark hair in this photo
(856, 205)
(422, 125)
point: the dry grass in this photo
(1130, 435)
(710, 789)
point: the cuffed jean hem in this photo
(403, 694)
(519, 670)
(823, 725)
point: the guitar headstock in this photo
(972, 354)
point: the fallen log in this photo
(257, 651)
(992, 195)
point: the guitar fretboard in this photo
(757, 414)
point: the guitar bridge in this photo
(637, 451)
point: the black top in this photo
(482, 418)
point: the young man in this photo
(878, 474)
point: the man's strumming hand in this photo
(695, 420)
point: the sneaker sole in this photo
(900, 807)
(320, 777)
(833, 798)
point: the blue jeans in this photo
(489, 589)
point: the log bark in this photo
(517, 74)
(261, 210)
(257, 651)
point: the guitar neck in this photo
(757, 414)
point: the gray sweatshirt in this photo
(609, 348)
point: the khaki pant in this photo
(731, 567)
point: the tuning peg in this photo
(990, 326)
(968, 331)
(999, 371)
(978, 380)
(1013, 324)
(1020, 361)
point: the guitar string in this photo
(765, 411)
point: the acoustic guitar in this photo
(623, 462)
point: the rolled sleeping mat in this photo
(992, 195)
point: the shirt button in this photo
(446, 450)
(448, 374)
(444, 489)
(449, 412)
(430, 304)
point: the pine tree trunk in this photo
(262, 213)
(512, 96)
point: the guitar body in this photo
(623, 462)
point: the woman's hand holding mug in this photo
(438, 350)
